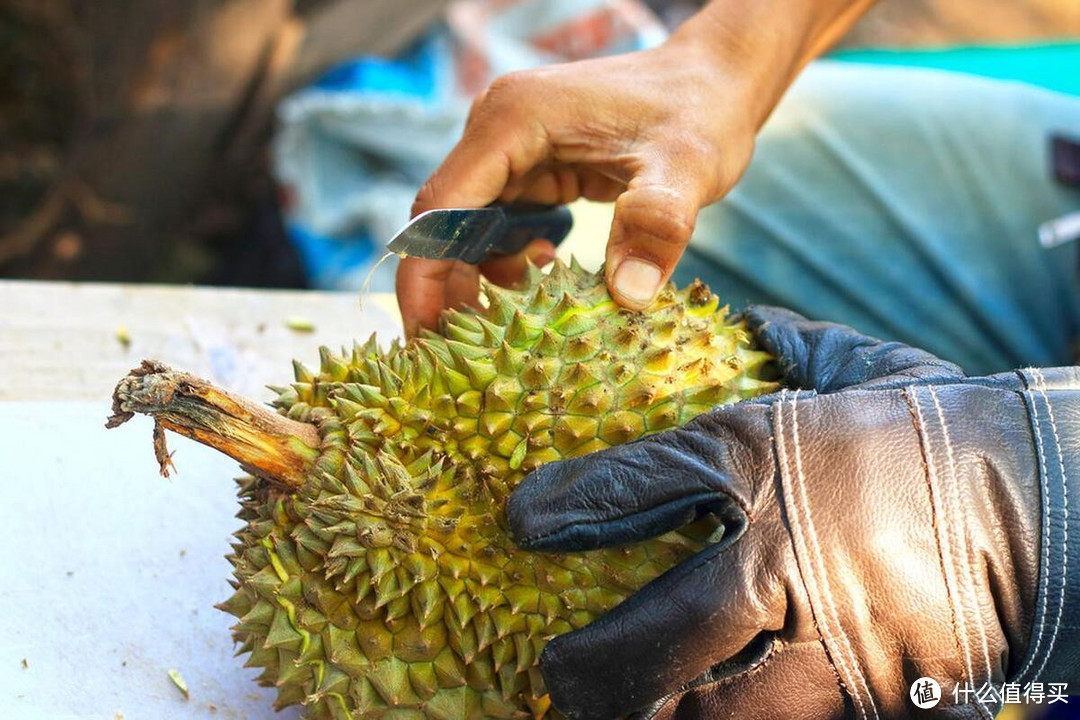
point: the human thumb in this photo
(654, 219)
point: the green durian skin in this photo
(388, 586)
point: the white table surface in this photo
(109, 572)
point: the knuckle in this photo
(658, 213)
(691, 148)
(426, 197)
(733, 164)
(476, 109)
(716, 163)
(508, 95)
(508, 86)
(505, 103)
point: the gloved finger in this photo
(705, 610)
(791, 680)
(645, 488)
(654, 219)
(827, 357)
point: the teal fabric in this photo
(905, 202)
(1051, 66)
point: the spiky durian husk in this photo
(388, 585)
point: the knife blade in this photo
(474, 234)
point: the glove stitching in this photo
(1033, 652)
(810, 572)
(857, 672)
(944, 539)
(806, 571)
(964, 546)
(1040, 385)
(942, 530)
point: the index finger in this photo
(494, 148)
(503, 139)
(629, 493)
(426, 287)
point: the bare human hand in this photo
(661, 132)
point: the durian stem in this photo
(265, 443)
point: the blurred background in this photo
(277, 143)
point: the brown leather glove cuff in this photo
(941, 566)
(1052, 397)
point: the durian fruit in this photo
(375, 576)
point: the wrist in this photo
(759, 46)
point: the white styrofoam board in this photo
(110, 572)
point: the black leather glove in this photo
(888, 520)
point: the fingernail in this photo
(637, 280)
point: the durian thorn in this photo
(265, 443)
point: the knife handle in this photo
(525, 222)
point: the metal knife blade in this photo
(475, 234)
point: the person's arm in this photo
(661, 132)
